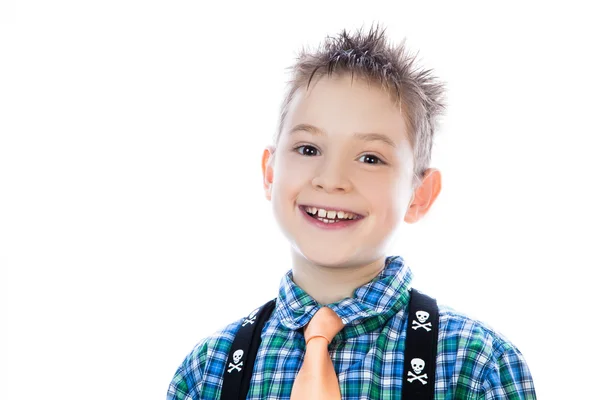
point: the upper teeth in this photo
(330, 214)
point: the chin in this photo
(326, 256)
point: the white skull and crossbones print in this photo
(237, 363)
(422, 316)
(251, 318)
(417, 365)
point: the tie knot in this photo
(325, 323)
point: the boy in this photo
(349, 163)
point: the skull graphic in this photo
(253, 314)
(422, 316)
(237, 356)
(417, 365)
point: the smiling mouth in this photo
(330, 216)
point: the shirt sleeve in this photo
(508, 378)
(190, 373)
(178, 389)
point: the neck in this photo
(332, 283)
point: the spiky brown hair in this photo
(417, 93)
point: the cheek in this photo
(384, 196)
(287, 184)
(291, 175)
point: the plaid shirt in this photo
(473, 361)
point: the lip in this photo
(335, 226)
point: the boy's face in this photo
(357, 158)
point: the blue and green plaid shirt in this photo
(473, 361)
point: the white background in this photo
(132, 217)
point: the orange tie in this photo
(316, 379)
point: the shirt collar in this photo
(378, 300)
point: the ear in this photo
(424, 196)
(268, 159)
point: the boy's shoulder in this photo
(469, 347)
(457, 324)
(204, 364)
(217, 344)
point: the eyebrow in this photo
(368, 137)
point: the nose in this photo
(332, 178)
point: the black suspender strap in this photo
(420, 350)
(240, 363)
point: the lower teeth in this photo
(328, 221)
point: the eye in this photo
(371, 159)
(306, 150)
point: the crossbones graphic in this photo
(421, 378)
(238, 367)
(417, 325)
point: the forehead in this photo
(340, 105)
